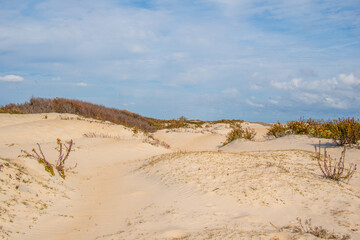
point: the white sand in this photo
(125, 188)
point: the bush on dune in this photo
(278, 130)
(343, 131)
(238, 132)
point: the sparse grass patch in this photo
(307, 227)
(101, 135)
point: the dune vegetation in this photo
(343, 131)
(99, 112)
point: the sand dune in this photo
(125, 188)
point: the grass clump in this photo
(332, 168)
(63, 149)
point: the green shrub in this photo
(299, 127)
(239, 132)
(278, 130)
(341, 131)
(319, 129)
(236, 133)
(345, 131)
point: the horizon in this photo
(257, 61)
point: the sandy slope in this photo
(125, 188)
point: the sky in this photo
(256, 60)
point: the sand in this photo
(128, 186)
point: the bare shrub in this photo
(64, 150)
(307, 227)
(40, 158)
(332, 168)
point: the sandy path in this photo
(114, 202)
(102, 195)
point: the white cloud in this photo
(230, 92)
(178, 55)
(335, 103)
(339, 92)
(136, 48)
(255, 86)
(272, 101)
(293, 84)
(349, 79)
(81, 84)
(11, 78)
(327, 85)
(254, 104)
(307, 98)
(56, 78)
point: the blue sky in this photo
(243, 59)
